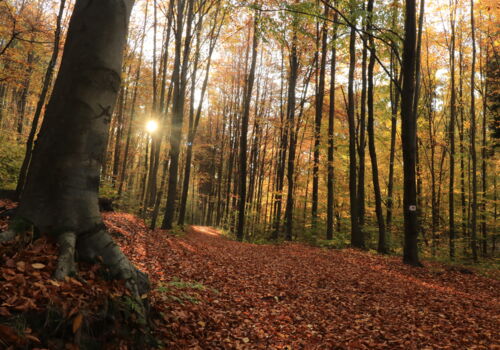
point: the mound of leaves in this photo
(82, 312)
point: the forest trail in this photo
(292, 296)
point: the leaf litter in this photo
(209, 292)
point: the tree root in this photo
(7, 235)
(66, 262)
(96, 246)
(100, 246)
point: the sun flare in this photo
(151, 126)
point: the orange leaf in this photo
(77, 322)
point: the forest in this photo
(249, 174)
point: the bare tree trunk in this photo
(317, 121)
(240, 231)
(133, 105)
(409, 137)
(179, 80)
(331, 127)
(41, 101)
(473, 137)
(451, 131)
(382, 242)
(357, 237)
(292, 84)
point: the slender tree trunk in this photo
(179, 80)
(194, 119)
(473, 137)
(133, 106)
(317, 121)
(362, 136)
(409, 137)
(451, 131)
(47, 80)
(292, 83)
(357, 238)
(331, 138)
(484, 245)
(394, 95)
(382, 242)
(240, 232)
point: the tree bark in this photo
(409, 138)
(330, 212)
(357, 238)
(62, 199)
(292, 84)
(473, 137)
(179, 80)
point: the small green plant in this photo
(177, 231)
(178, 290)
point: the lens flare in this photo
(151, 126)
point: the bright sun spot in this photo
(151, 126)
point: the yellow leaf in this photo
(245, 340)
(54, 283)
(38, 266)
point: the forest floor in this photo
(210, 292)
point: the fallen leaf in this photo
(38, 266)
(77, 322)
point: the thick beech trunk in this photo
(62, 199)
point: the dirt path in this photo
(292, 296)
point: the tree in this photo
(409, 137)
(244, 134)
(179, 81)
(382, 242)
(61, 199)
(290, 111)
(357, 239)
(451, 131)
(331, 127)
(473, 136)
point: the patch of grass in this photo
(179, 291)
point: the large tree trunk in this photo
(62, 199)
